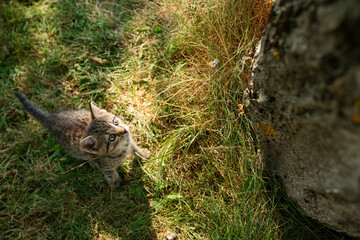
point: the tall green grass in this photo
(210, 179)
(148, 62)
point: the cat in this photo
(98, 137)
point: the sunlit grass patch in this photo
(207, 168)
(61, 53)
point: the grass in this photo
(148, 62)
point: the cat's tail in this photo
(40, 115)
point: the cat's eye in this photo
(115, 122)
(112, 137)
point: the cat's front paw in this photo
(115, 183)
(145, 153)
(113, 179)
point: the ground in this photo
(149, 62)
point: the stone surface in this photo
(305, 105)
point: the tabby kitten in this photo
(99, 137)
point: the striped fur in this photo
(96, 136)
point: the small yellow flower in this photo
(213, 63)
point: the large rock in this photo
(306, 106)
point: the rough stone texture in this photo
(305, 105)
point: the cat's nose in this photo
(122, 130)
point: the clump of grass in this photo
(210, 177)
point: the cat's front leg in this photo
(94, 164)
(142, 152)
(112, 177)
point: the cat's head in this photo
(106, 135)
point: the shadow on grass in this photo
(57, 51)
(96, 210)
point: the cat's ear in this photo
(95, 111)
(88, 145)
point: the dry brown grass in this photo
(207, 158)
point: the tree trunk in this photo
(305, 105)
